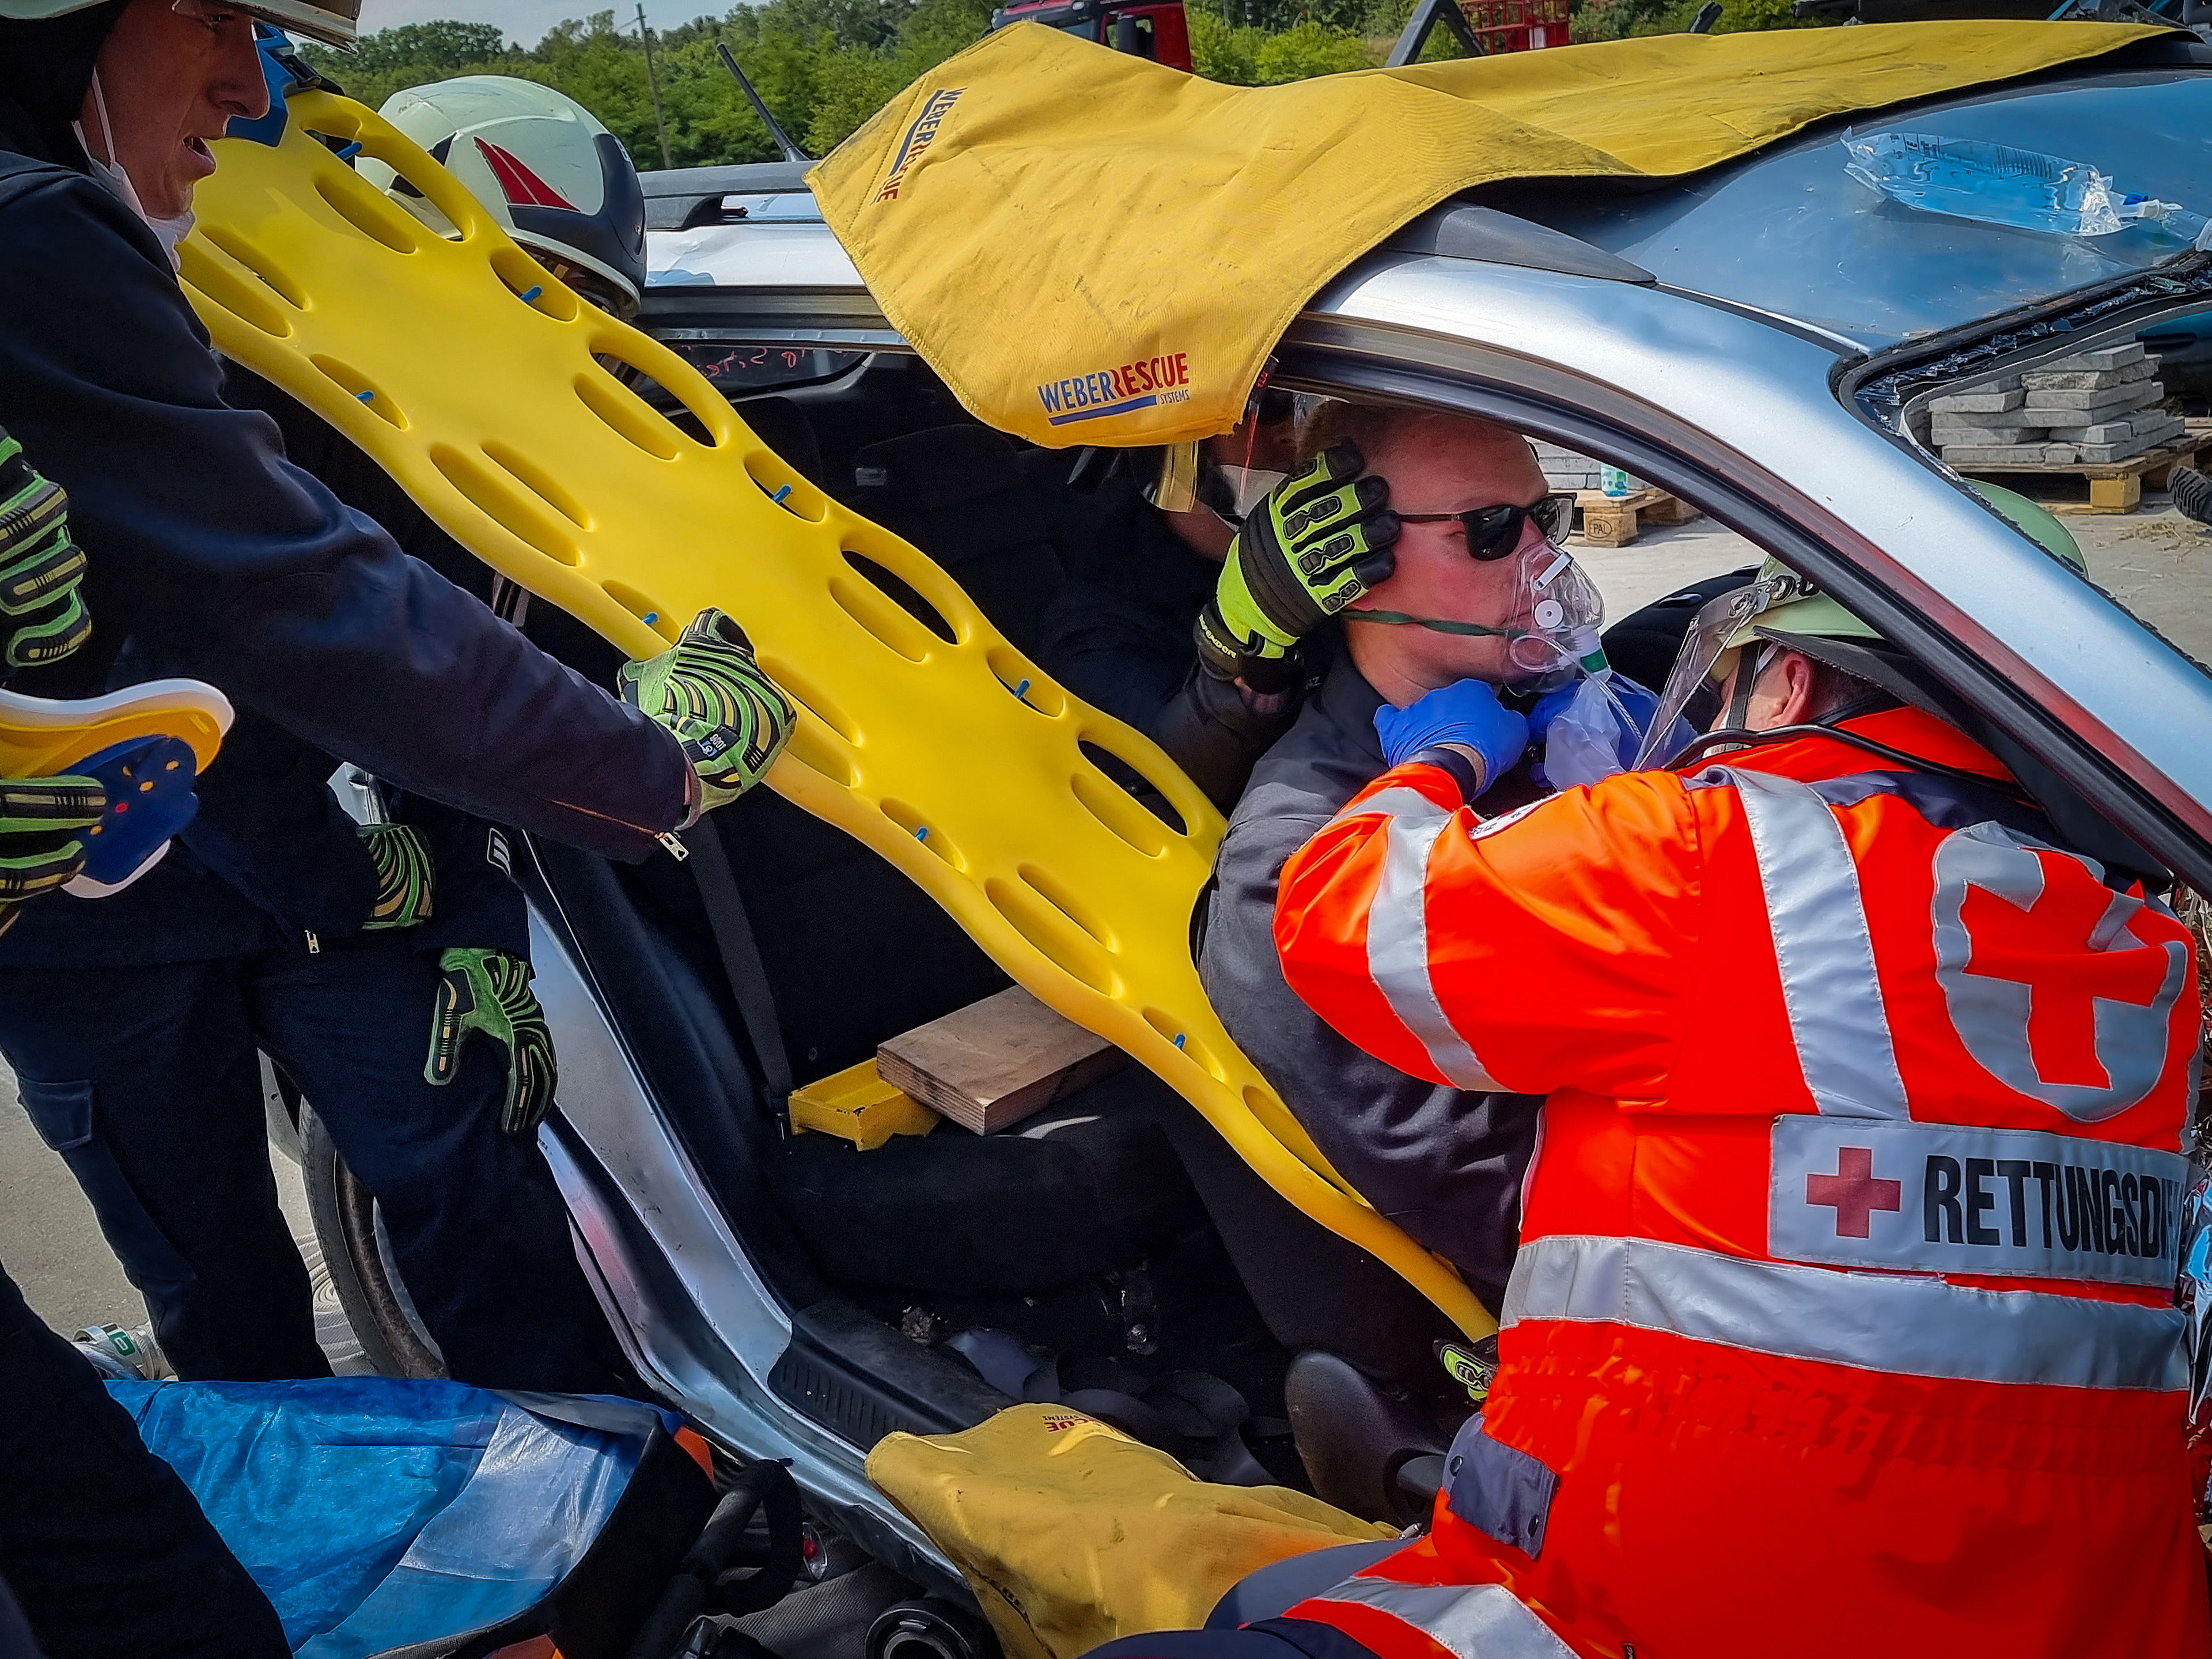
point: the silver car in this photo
(1763, 341)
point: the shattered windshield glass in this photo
(1872, 245)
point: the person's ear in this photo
(1800, 684)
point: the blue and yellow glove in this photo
(42, 614)
(39, 850)
(1321, 540)
(730, 718)
(488, 991)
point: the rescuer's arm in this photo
(1550, 948)
(248, 573)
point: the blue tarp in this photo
(376, 1512)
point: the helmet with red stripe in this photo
(559, 181)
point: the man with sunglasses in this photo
(1431, 583)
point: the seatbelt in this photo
(741, 962)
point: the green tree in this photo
(1309, 49)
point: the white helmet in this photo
(561, 182)
(333, 22)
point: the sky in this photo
(526, 21)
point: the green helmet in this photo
(333, 22)
(1780, 607)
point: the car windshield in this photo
(1792, 231)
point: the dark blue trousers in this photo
(106, 1550)
(145, 1079)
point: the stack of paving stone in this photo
(2090, 408)
(1565, 470)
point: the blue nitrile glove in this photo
(1467, 712)
(1638, 704)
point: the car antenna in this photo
(784, 141)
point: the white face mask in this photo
(168, 232)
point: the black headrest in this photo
(938, 467)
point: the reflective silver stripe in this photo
(1993, 1013)
(1398, 949)
(1396, 802)
(1475, 1621)
(1821, 943)
(1876, 1322)
(1398, 929)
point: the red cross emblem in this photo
(1853, 1192)
(2046, 947)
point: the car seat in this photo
(962, 495)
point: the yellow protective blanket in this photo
(1072, 1533)
(1091, 248)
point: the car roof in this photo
(1785, 232)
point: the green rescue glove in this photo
(38, 853)
(730, 717)
(403, 876)
(488, 991)
(42, 614)
(1320, 541)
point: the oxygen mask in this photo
(1551, 626)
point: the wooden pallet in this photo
(2114, 486)
(1617, 520)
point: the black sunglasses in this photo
(1494, 532)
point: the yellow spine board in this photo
(467, 372)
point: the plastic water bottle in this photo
(2171, 217)
(1615, 484)
(1994, 183)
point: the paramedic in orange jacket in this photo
(1843, 1321)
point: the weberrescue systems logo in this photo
(1116, 391)
(919, 137)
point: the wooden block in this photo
(1612, 521)
(1671, 510)
(857, 1105)
(996, 1062)
(1611, 525)
(2115, 494)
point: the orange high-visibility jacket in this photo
(1843, 1321)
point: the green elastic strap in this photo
(1436, 624)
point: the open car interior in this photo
(1110, 1251)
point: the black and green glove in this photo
(42, 614)
(488, 991)
(38, 851)
(730, 717)
(1319, 541)
(403, 876)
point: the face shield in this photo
(1718, 622)
(1187, 479)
